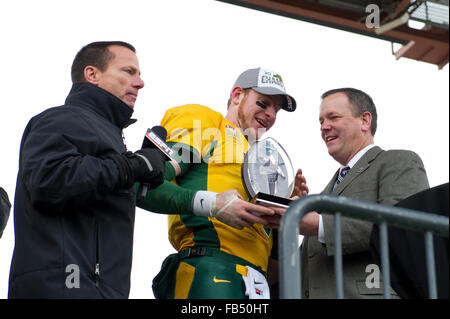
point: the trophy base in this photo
(270, 200)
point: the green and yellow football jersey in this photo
(219, 148)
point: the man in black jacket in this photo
(75, 200)
(5, 206)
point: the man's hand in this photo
(234, 211)
(145, 166)
(309, 225)
(300, 187)
(150, 168)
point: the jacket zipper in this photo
(97, 274)
(97, 256)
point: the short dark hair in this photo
(95, 54)
(361, 102)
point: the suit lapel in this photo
(361, 165)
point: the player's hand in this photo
(275, 220)
(300, 187)
(234, 211)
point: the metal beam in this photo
(434, 39)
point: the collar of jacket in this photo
(100, 101)
(360, 166)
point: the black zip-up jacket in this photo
(5, 206)
(73, 226)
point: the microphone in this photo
(154, 138)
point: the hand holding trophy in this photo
(269, 177)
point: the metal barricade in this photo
(290, 281)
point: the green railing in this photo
(289, 257)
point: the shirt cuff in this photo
(321, 233)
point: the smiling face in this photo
(256, 113)
(343, 133)
(121, 76)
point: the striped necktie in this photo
(342, 172)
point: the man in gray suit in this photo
(348, 121)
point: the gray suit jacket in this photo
(384, 177)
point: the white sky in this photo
(192, 52)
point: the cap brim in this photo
(289, 102)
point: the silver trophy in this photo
(268, 174)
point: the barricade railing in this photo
(384, 215)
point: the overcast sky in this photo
(192, 52)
